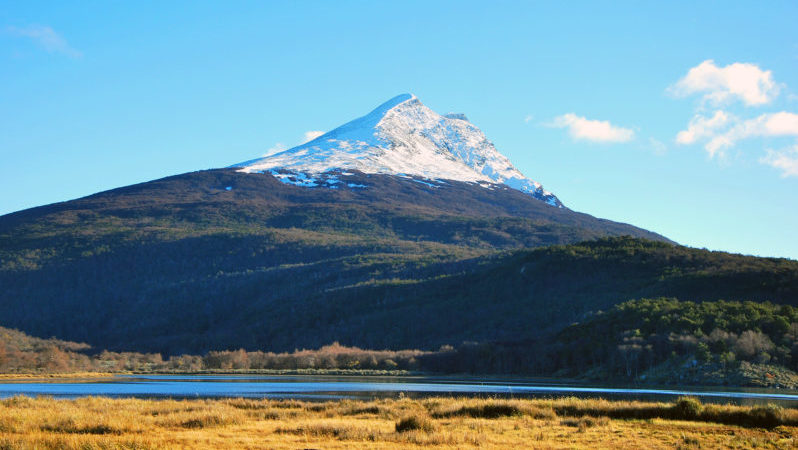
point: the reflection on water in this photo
(335, 387)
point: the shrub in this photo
(492, 410)
(769, 416)
(583, 423)
(415, 423)
(687, 408)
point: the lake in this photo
(317, 387)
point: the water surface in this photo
(335, 387)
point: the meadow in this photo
(105, 423)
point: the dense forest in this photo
(638, 335)
(166, 302)
(660, 340)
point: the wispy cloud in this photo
(306, 137)
(718, 85)
(658, 147)
(581, 128)
(46, 38)
(529, 118)
(784, 160)
(310, 135)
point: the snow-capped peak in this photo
(404, 137)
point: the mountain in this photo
(294, 249)
(401, 229)
(402, 137)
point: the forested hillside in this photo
(525, 294)
(185, 265)
(221, 259)
(596, 309)
(192, 296)
(659, 341)
(636, 336)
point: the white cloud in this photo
(778, 124)
(581, 128)
(701, 127)
(310, 135)
(785, 160)
(720, 131)
(528, 118)
(46, 38)
(718, 85)
(723, 130)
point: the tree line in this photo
(632, 339)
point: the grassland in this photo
(96, 422)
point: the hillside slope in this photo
(122, 269)
(531, 293)
(186, 265)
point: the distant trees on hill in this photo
(20, 353)
(638, 335)
(632, 340)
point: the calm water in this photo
(332, 387)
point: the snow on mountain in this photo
(402, 137)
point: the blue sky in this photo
(677, 117)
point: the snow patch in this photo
(295, 178)
(326, 180)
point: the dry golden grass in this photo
(104, 423)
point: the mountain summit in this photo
(403, 137)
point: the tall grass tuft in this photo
(415, 422)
